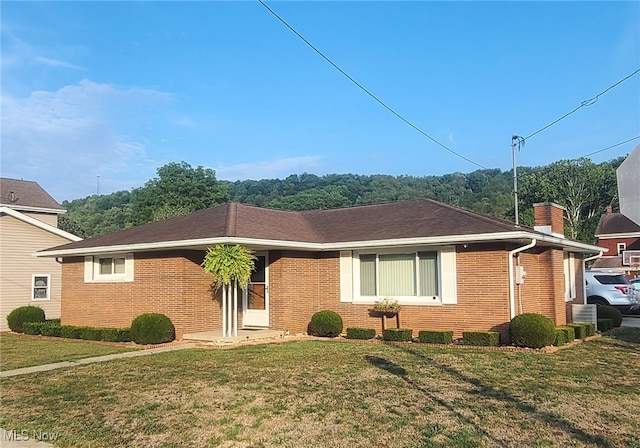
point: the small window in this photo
(399, 275)
(110, 266)
(621, 248)
(41, 287)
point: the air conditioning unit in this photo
(631, 257)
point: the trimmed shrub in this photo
(609, 312)
(116, 335)
(569, 331)
(481, 338)
(590, 329)
(91, 333)
(561, 337)
(50, 329)
(580, 329)
(22, 314)
(152, 328)
(325, 323)
(360, 333)
(397, 334)
(605, 324)
(53, 321)
(435, 336)
(70, 332)
(31, 328)
(532, 330)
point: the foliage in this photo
(589, 328)
(387, 304)
(325, 323)
(481, 338)
(228, 264)
(360, 333)
(610, 312)
(570, 332)
(178, 189)
(54, 329)
(605, 324)
(435, 336)
(532, 330)
(22, 314)
(397, 334)
(152, 328)
(580, 329)
(560, 338)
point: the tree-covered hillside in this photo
(583, 187)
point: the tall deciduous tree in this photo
(178, 189)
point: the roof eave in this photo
(322, 247)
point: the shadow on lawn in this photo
(486, 391)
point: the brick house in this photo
(448, 267)
(29, 223)
(621, 236)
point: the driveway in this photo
(631, 321)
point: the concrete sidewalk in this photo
(80, 362)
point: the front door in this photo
(255, 299)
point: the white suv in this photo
(608, 288)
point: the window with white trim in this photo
(621, 248)
(41, 287)
(411, 276)
(108, 268)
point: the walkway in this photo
(80, 362)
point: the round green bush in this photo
(152, 328)
(532, 330)
(325, 323)
(23, 314)
(609, 312)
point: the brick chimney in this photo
(549, 218)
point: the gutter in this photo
(584, 268)
(512, 295)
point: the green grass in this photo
(316, 393)
(21, 351)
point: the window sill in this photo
(421, 301)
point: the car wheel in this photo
(598, 301)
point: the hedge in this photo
(609, 312)
(397, 334)
(569, 331)
(561, 337)
(360, 333)
(435, 336)
(590, 328)
(532, 330)
(481, 338)
(605, 324)
(74, 332)
(580, 329)
(23, 314)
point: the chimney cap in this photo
(549, 204)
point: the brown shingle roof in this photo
(612, 223)
(403, 219)
(26, 193)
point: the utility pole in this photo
(516, 142)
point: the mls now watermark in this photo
(23, 435)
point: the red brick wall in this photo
(301, 283)
(170, 283)
(612, 244)
(549, 214)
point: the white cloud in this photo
(55, 63)
(63, 139)
(268, 169)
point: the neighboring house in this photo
(28, 223)
(448, 267)
(620, 232)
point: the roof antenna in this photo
(12, 197)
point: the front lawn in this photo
(317, 394)
(25, 351)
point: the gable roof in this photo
(39, 224)
(616, 224)
(27, 195)
(420, 221)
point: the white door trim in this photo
(257, 318)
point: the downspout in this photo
(584, 268)
(512, 295)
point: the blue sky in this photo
(118, 89)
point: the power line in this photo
(585, 103)
(612, 146)
(361, 87)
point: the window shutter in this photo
(448, 272)
(88, 269)
(346, 276)
(128, 267)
